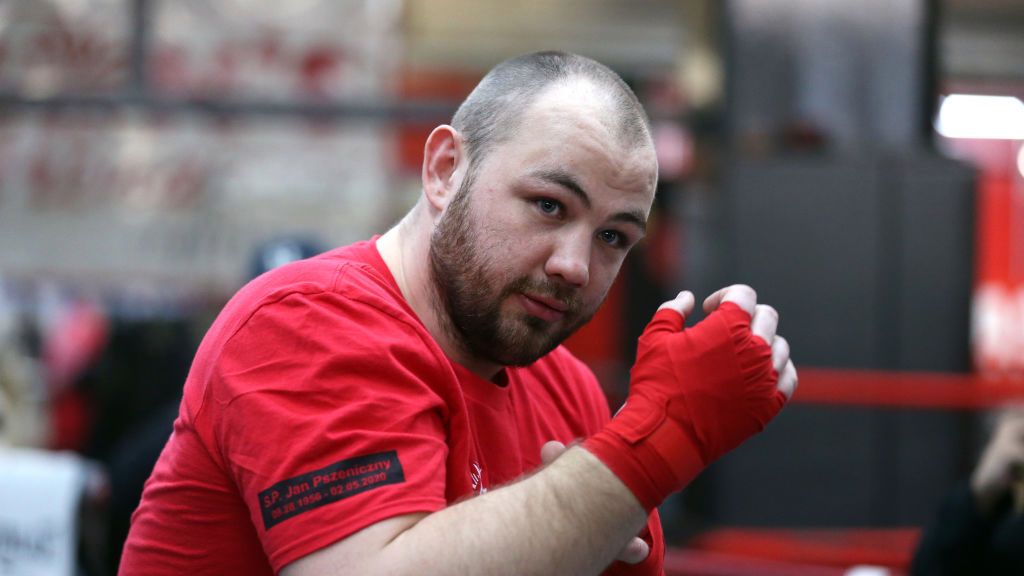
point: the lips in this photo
(544, 307)
(553, 303)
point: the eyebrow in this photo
(567, 181)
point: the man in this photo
(386, 408)
(979, 529)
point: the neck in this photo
(405, 249)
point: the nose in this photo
(570, 260)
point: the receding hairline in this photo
(579, 92)
(494, 110)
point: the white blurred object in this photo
(1020, 161)
(868, 571)
(674, 147)
(979, 116)
(997, 331)
(39, 497)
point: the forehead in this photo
(573, 128)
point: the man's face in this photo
(526, 251)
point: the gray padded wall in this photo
(869, 263)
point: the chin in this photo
(534, 346)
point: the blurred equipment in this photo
(280, 251)
(73, 342)
(24, 420)
(41, 494)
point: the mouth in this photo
(543, 307)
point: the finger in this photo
(780, 354)
(635, 552)
(551, 450)
(1013, 417)
(1017, 464)
(788, 380)
(764, 323)
(739, 294)
(682, 303)
(1009, 429)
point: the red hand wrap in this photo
(694, 395)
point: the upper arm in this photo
(347, 556)
(329, 422)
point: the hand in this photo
(696, 393)
(763, 323)
(636, 550)
(1002, 462)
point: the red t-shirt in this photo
(318, 404)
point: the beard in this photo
(468, 292)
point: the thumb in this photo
(682, 303)
(635, 552)
(551, 450)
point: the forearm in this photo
(695, 394)
(572, 517)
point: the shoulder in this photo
(352, 273)
(309, 324)
(346, 289)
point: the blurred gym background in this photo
(859, 163)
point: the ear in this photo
(443, 156)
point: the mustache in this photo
(565, 294)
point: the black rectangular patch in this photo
(335, 482)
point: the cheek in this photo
(513, 245)
(502, 258)
(602, 276)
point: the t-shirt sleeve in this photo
(327, 422)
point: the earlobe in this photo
(442, 156)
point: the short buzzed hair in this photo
(493, 110)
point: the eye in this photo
(549, 207)
(613, 238)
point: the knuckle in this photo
(786, 389)
(782, 344)
(788, 385)
(744, 290)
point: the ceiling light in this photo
(976, 116)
